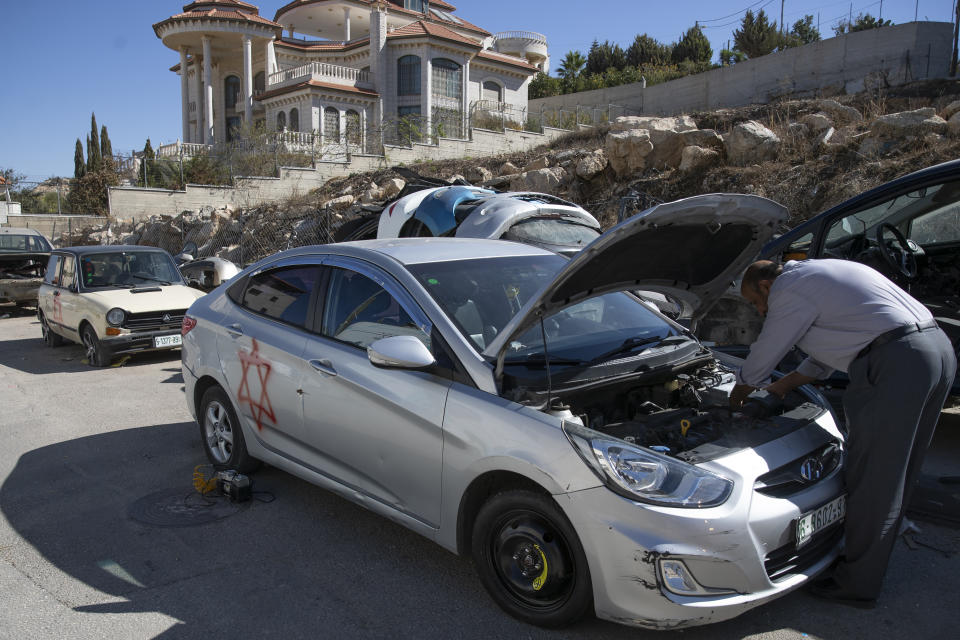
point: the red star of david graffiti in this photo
(57, 310)
(262, 408)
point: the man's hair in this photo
(759, 271)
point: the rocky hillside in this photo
(806, 154)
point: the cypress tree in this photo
(79, 166)
(96, 160)
(106, 149)
(89, 157)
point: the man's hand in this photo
(788, 383)
(739, 394)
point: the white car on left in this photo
(113, 300)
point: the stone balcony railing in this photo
(322, 72)
(532, 36)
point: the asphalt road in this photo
(79, 446)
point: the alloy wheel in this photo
(218, 432)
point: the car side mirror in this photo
(400, 352)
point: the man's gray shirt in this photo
(830, 309)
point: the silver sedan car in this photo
(531, 412)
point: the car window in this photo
(360, 311)
(551, 230)
(937, 226)
(52, 275)
(799, 249)
(282, 294)
(68, 276)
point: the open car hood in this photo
(690, 250)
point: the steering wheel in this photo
(901, 254)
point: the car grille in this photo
(788, 479)
(789, 560)
(154, 320)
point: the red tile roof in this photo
(211, 12)
(235, 4)
(499, 57)
(323, 45)
(319, 85)
(394, 9)
(423, 28)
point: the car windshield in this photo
(482, 295)
(551, 230)
(15, 243)
(128, 269)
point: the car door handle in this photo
(235, 330)
(323, 366)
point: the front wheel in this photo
(530, 559)
(221, 433)
(50, 338)
(97, 355)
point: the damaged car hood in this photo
(690, 249)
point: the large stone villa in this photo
(348, 70)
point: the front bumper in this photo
(136, 342)
(742, 553)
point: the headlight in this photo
(115, 317)
(643, 475)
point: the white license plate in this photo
(819, 519)
(168, 341)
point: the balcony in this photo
(528, 45)
(321, 72)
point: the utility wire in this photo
(736, 20)
(732, 14)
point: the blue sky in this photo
(63, 59)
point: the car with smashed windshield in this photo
(23, 257)
(113, 300)
(527, 410)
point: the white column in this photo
(247, 82)
(207, 92)
(198, 92)
(465, 109)
(184, 94)
(426, 97)
(346, 24)
(271, 62)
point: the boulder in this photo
(508, 168)
(750, 143)
(909, 123)
(367, 197)
(478, 175)
(841, 111)
(818, 122)
(592, 164)
(665, 136)
(540, 180)
(540, 163)
(392, 187)
(951, 109)
(706, 138)
(953, 125)
(798, 130)
(696, 158)
(627, 151)
(339, 203)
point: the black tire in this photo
(50, 338)
(530, 559)
(221, 434)
(362, 228)
(97, 355)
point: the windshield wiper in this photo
(151, 279)
(538, 360)
(632, 343)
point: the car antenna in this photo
(546, 362)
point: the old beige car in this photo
(113, 300)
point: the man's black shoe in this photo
(828, 589)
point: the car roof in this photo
(110, 248)
(420, 250)
(20, 231)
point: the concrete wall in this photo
(8, 208)
(865, 59)
(139, 203)
(52, 225)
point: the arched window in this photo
(408, 76)
(447, 79)
(331, 124)
(281, 121)
(259, 83)
(231, 92)
(354, 133)
(492, 91)
(294, 119)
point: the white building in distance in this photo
(355, 72)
